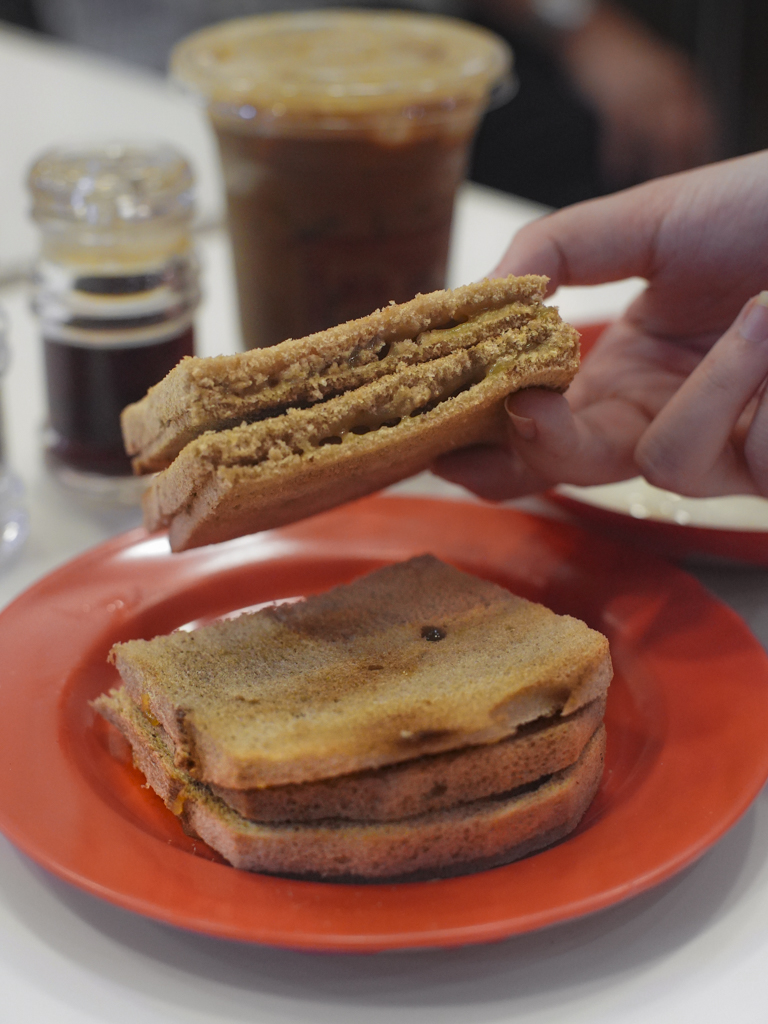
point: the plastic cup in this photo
(343, 137)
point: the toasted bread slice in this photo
(471, 836)
(403, 790)
(223, 391)
(266, 474)
(416, 658)
(337, 415)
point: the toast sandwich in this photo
(418, 720)
(260, 439)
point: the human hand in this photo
(654, 115)
(669, 392)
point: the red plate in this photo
(687, 719)
(661, 535)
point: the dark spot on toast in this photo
(432, 633)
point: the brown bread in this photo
(470, 836)
(258, 440)
(356, 678)
(403, 790)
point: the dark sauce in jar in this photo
(89, 386)
(116, 288)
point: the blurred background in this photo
(610, 93)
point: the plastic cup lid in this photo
(341, 64)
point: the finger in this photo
(756, 446)
(546, 445)
(491, 473)
(687, 447)
(582, 244)
(592, 447)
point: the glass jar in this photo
(14, 522)
(116, 288)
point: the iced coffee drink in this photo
(343, 137)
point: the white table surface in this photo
(694, 949)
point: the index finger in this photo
(600, 240)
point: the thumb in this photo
(594, 446)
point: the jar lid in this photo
(112, 183)
(338, 64)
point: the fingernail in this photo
(524, 425)
(754, 326)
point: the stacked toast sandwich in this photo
(418, 722)
(260, 439)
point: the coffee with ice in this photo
(344, 136)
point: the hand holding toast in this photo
(674, 389)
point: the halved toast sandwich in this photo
(416, 722)
(256, 440)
